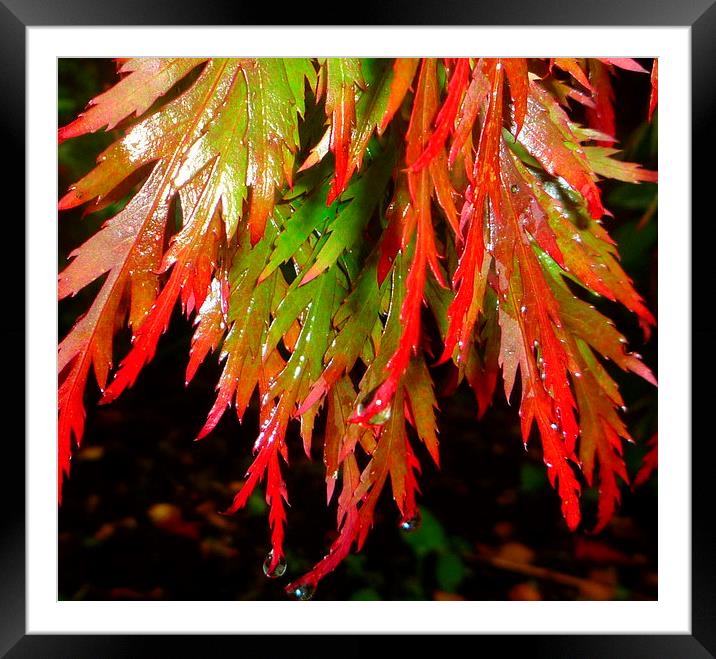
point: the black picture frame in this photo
(17, 15)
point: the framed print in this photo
(303, 146)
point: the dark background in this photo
(139, 516)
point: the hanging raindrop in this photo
(411, 524)
(278, 571)
(382, 416)
(302, 592)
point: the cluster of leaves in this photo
(344, 225)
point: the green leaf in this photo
(449, 571)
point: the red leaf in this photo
(445, 117)
(128, 249)
(654, 98)
(517, 76)
(482, 367)
(419, 185)
(341, 436)
(269, 444)
(475, 95)
(206, 145)
(483, 186)
(249, 305)
(148, 79)
(572, 66)
(392, 239)
(624, 63)
(601, 115)
(651, 462)
(548, 137)
(421, 402)
(210, 324)
(343, 75)
(197, 240)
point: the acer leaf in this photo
(442, 211)
(189, 141)
(147, 79)
(624, 63)
(342, 78)
(601, 114)
(654, 98)
(482, 186)
(574, 68)
(650, 463)
(420, 186)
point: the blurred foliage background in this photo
(140, 515)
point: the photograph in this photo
(337, 332)
(358, 328)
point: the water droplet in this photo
(577, 374)
(523, 308)
(514, 188)
(553, 426)
(302, 592)
(624, 409)
(278, 571)
(411, 524)
(577, 238)
(382, 417)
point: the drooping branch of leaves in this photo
(332, 209)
